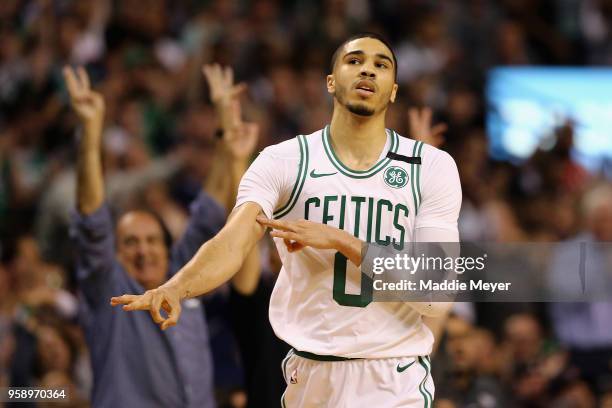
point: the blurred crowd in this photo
(145, 57)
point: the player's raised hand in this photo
(419, 123)
(88, 104)
(153, 301)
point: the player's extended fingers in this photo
(156, 304)
(174, 314)
(276, 224)
(83, 78)
(136, 305)
(123, 299)
(288, 235)
(142, 303)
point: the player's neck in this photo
(357, 140)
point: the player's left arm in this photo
(436, 220)
(302, 233)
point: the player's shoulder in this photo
(293, 148)
(287, 150)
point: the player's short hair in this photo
(364, 35)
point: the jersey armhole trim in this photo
(299, 182)
(415, 176)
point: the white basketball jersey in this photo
(319, 304)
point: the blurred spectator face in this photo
(69, 30)
(462, 106)
(431, 29)
(363, 80)
(577, 394)
(488, 358)
(40, 63)
(283, 81)
(141, 249)
(197, 127)
(524, 337)
(462, 345)
(27, 264)
(510, 44)
(131, 117)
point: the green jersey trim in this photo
(329, 150)
(418, 172)
(415, 176)
(299, 183)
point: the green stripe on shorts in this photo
(427, 397)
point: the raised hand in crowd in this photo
(88, 104)
(238, 138)
(419, 124)
(89, 107)
(237, 145)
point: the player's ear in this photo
(331, 84)
(393, 93)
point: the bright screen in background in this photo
(525, 105)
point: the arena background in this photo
(145, 56)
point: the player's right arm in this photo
(221, 257)
(215, 263)
(267, 183)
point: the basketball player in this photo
(324, 195)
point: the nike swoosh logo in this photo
(401, 369)
(317, 175)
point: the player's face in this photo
(141, 249)
(363, 80)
